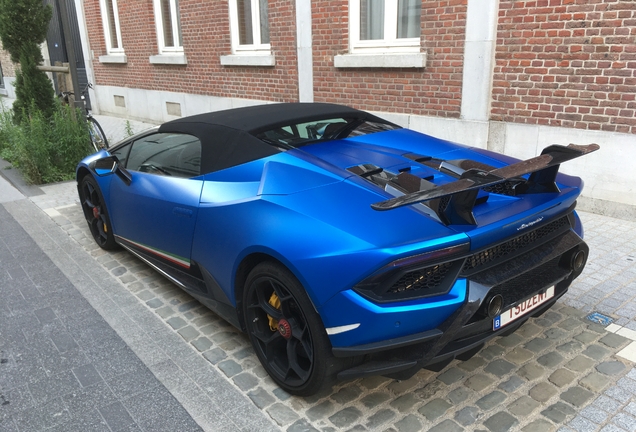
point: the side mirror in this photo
(108, 165)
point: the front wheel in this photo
(98, 138)
(96, 213)
(285, 330)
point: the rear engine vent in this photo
(516, 244)
(365, 170)
(443, 203)
(505, 188)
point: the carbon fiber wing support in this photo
(462, 192)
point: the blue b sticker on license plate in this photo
(522, 308)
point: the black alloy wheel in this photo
(96, 213)
(285, 330)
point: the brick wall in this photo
(206, 36)
(435, 90)
(568, 63)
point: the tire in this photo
(96, 213)
(98, 138)
(297, 354)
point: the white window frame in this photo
(113, 55)
(255, 54)
(257, 46)
(390, 43)
(176, 25)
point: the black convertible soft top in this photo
(254, 119)
(228, 137)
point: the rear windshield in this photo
(300, 134)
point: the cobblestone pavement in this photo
(557, 372)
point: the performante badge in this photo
(529, 224)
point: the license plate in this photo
(522, 308)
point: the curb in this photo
(14, 176)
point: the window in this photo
(169, 38)
(121, 153)
(299, 134)
(112, 33)
(385, 34)
(249, 25)
(385, 25)
(249, 32)
(167, 154)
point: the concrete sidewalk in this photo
(62, 366)
(558, 372)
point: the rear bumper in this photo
(470, 326)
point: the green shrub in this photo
(44, 150)
(23, 27)
(33, 89)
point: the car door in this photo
(156, 213)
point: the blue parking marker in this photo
(600, 319)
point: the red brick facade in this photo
(206, 37)
(568, 63)
(435, 90)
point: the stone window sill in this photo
(113, 59)
(169, 59)
(248, 60)
(381, 60)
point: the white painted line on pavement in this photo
(629, 352)
(52, 212)
(629, 334)
(65, 206)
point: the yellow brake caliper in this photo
(273, 323)
(96, 216)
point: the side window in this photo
(168, 154)
(121, 153)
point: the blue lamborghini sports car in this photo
(343, 244)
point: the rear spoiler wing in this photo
(463, 192)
